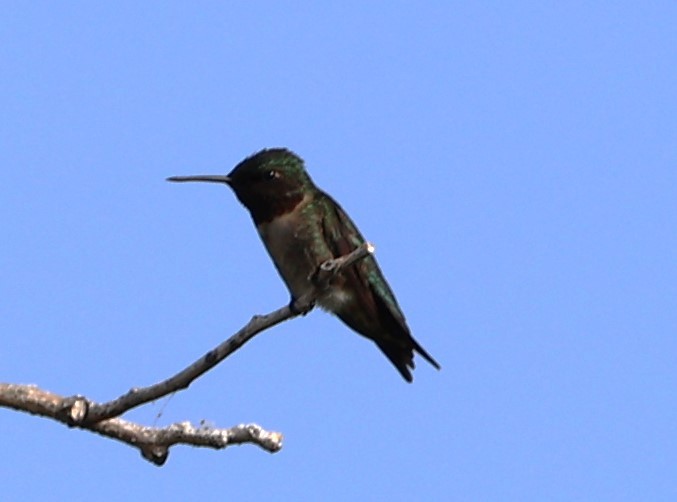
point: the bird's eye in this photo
(272, 174)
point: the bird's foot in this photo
(299, 306)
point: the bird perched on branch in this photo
(302, 227)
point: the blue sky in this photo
(515, 164)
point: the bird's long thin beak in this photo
(212, 178)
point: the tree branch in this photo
(153, 442)
(79, 411)
(257, 324)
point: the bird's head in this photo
(267, 183)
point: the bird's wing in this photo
(344, 237)
(396, 342)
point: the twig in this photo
(258, 323)
(154, 443)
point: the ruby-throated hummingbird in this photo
(302, 227)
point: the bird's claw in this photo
(300, 308)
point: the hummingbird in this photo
(302, 227)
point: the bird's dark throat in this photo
(266, 209)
